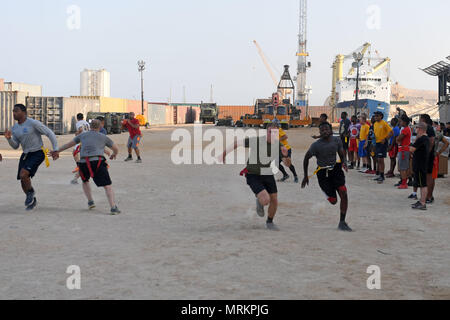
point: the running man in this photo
(260, 177)
(81, 126)
(421, 150)
(393, 147)
(93, 164)
(404, 141)
(383, 132)
(132, 125)
(28, 133)
(363, 136)
(286, 160)
(330, 175)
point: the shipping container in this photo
(157, 114)
(235, 111)
(113, 105)
(136, 106)
(29, 89)
(7, 101)
(170, 115)
(58, 113)
(316, 111)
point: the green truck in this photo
(208, 112)
(113, 121)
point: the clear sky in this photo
(196, 43)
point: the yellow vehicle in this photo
(143, 121)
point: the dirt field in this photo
(191, 232)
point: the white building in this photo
(95, 83)
(30, 89)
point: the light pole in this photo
(358, 58)
(141, 68)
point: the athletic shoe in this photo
(376, 178)
(380, 180)
(364, 170)
(419, 206)
(390, 175)
(410, 183)
(115, 211)
(128, 159)
(30, 198)
(295, 179)
(351, 167)
(138, 161)
(32, 205)
(413, 196)
(403, 186)
(284, 178)
(431, 201)
(371, 172)
(74, 181)
(416, 204)
(259, 208)
(272, 226)
(343, 226)
(398, 184)
(358, 167)
(91, 205)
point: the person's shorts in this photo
(260, 183)
(135, 142)
(331, 180)
(289, 155)
(101, 174)
(361, 151)
(431, 162)
(381, 150)
(31, 162)
(393, 152)
(353, 147)
(420, 178)
(403, 160)
(345, 142)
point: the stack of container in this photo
(7, 101)
(235, 111)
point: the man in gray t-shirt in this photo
(28, 133)
(92, 162)
(329, 173)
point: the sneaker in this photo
(370, 172)
(91, 205)
(128, 159)
(390, 175)
(74, 181)
(30, 198)
(343, 226)
(115, 211)
(380, 179)
(419, 206)
(284, 178)
(295, 179)
(364, 170)
(410, 183)
(271, 226)
(139, 161)
(430, 201)
(403, 186)
(413, 196)
(398, 184)
(416, 204)
(32, 205)
(376, 178)
(259, 208)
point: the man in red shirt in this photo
(132, 125)
(404, 140)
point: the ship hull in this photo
(367, 106)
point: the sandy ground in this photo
(191, 232)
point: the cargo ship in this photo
(374, 83)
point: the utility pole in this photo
(212, 99)
(302, 54)
(358, 58)
(141, 68)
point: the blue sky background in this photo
(196, 43)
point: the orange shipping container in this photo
(235, 111)
(136, 106)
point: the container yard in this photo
(184, 202)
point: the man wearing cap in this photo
(383, 132)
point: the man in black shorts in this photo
(421, 151)
(259, 172)
(344, 131)
(330, 174)
(92, 162)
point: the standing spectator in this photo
(404, 141)
(383, 133)
(393, 148)
(354, 129)
(447, 130)
(421, 152)
(344, 133)
(363, 136)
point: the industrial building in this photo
(95, 83)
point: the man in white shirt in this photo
(81, 126)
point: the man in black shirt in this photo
(344, 132)
(421, 152)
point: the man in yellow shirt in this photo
(383, 132)
(287, 160)
(363, 134)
